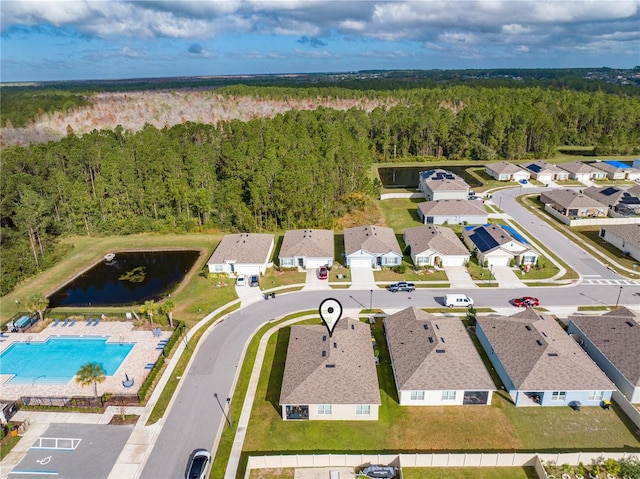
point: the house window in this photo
(363, 409)
(218, 268)
(558, 395)
(528, 259)
(324, 409)
(448, 395)
(286, 262)
(596, 395)
(417, 395)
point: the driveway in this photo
(459, 277)
(507, 277)
(248, 294)
(362, 278)
(313, 283)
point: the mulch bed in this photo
(125, 420)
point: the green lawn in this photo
(386, 274)
(469, 473)
(500, 426)
(488, 182)
(401, 213)
(591, 235)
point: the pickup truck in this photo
(402, 286)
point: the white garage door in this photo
(360, 262)
(315, 263)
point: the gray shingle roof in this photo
(373, 239)
(504, 167)
(609, 168)
(540, 166)
(345, 374)
(243, 248)
(577, 167)
(451, 208)
(617, 335)
(538, 355)
(443, 180)
(448, 360)
(571, 199)
(436, 238)
(630, 233)
(307, 243)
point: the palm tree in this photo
(148, 308)
(167, 308)
(37, 302)
(91, 373)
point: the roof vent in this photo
(437, 327)
(330, 366)
(431, 339)
(425, 326)
(440, 351)
(335, 345)
(538, 342)
(324, 354)
(553, 355)
(528, 328)
(630, 324)
(324, 338)
(441, 339)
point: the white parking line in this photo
(61, 443)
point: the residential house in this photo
(572, 204)
(434, 245)
(612, 340)
(539, 363)
(505, 171)
(243, 253)
(545, 172)
(330, 377)
(580, 171)
(307, 248)
(624, 237)
(636, 164)
(616, 170)
(620, 200)
(499, 245)
(371, 246)
(441, 184)
(434, 361)
(452, 212)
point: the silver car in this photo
(199, 465)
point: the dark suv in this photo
(254, 280)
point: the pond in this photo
(407, 176)
(130, 278)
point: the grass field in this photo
(469, 473)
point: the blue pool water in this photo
(57, 360)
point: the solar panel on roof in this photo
(483, 240)
(534, 168)
(609, 191)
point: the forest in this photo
(298, 168)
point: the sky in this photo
(112, 39)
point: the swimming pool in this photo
(57, 360)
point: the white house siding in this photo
(447, 195)
(235, 269)
(521, 175)
(633, 175)
(339, 412)
(454, 219)
(543, 177)
(427, 258)
(496, 258)
(622, 245)
(361, 258)
(434, 398)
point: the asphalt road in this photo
(196, 415)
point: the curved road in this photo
(196, 415)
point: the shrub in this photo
(612, 466)
(400, 269)
(630, 467)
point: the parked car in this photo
(526, 302)
(323, 272)
(199, 465)
(457, 300)
(241, 280)
(523, 181)
(380, 472)
(401, 286)
(254, 280)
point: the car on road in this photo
(241, 280)
(254, 280)
(401, 286)
(199, 465)
(523, 181)
(525, 302)
(323, 272)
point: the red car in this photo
(526, 302)
(323, 272)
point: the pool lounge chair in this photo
(150, 365)
(96, 321)
(55, 322)
(90, 321)
(66, 320)
(73, 321)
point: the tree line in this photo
(298, 169)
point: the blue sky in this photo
(106, 39)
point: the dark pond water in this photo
(407, 176)
(132, 278)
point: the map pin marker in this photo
(330, 312)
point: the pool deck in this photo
(143, 352)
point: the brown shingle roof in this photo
(571, 199)
(373, 239)
(243, 248)
(307, 243)
(448, 360)
(538, 355)
(504, 167)
(577, 167)
(451, 208)
(630, 233)
(336, 370)
(436, 238)
(617, 335)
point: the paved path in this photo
(459, 277)
(362, 278)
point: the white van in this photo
(457, 300)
